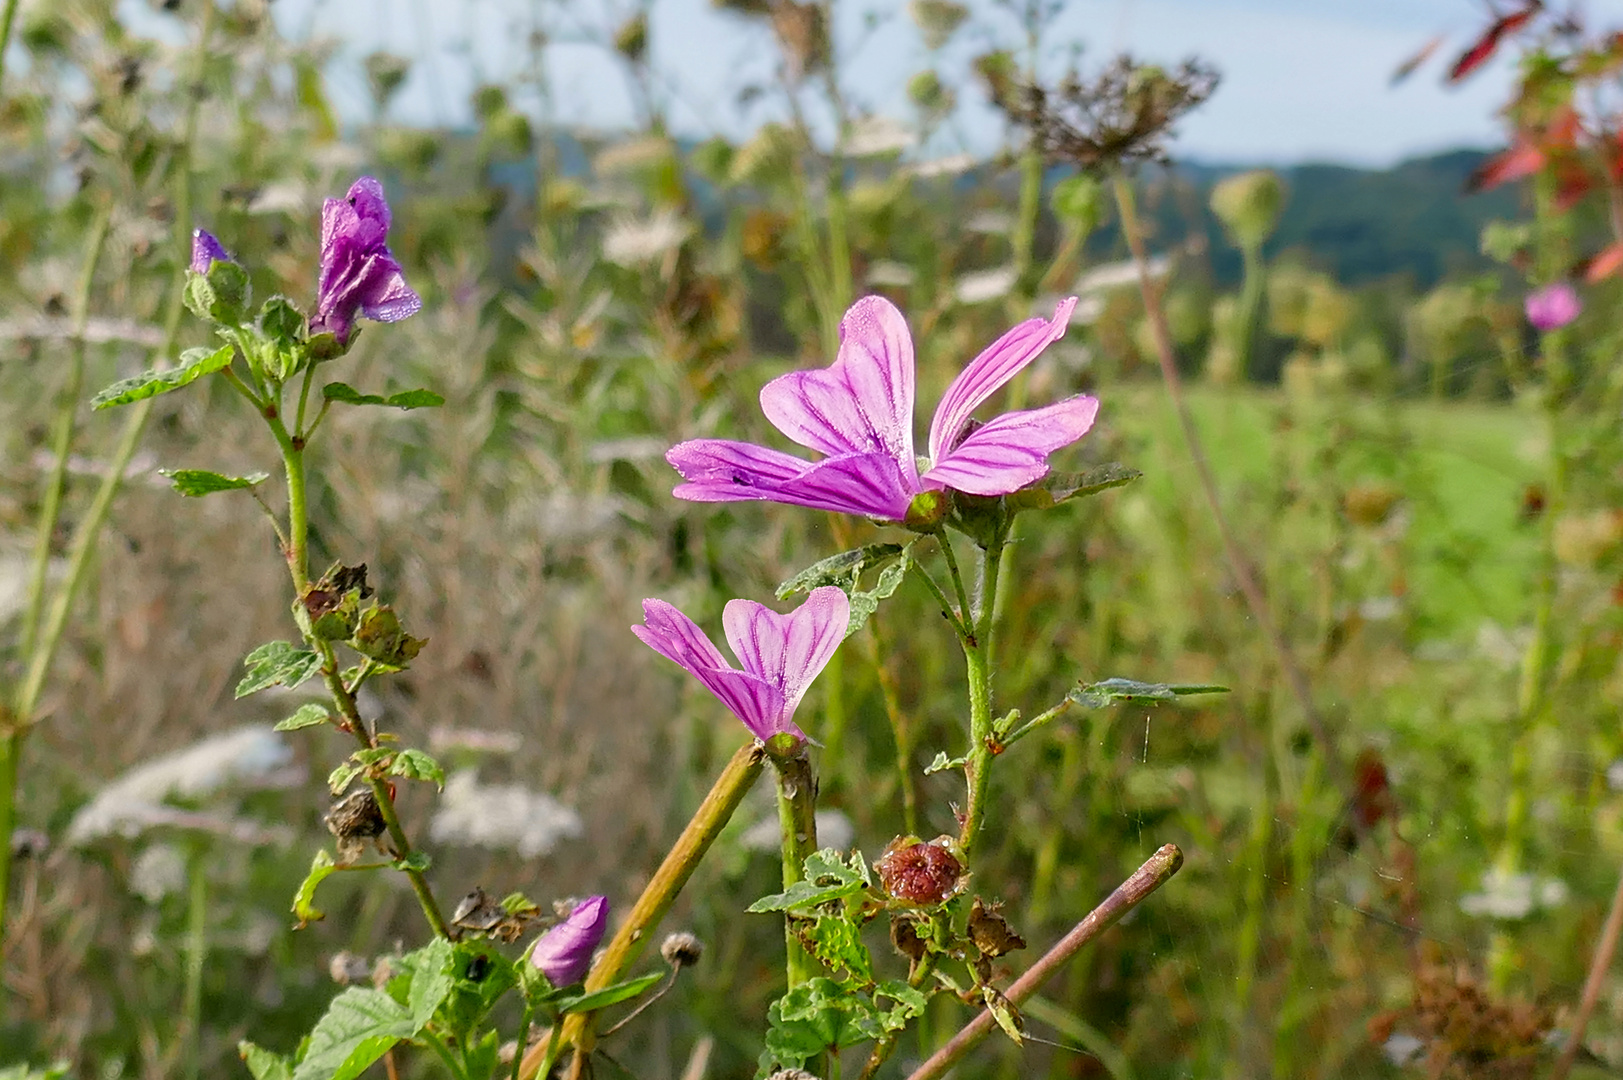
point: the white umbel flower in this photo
(631, 242)
(502, 817)
(984, 285)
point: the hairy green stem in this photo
(1155, 872)
(197, 914)
(797, 817)
(658, 895)
(22, 713)
(67, 409)
(978, 661)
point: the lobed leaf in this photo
(277, 662)
(842, 569)
(359, 1027)
(308, 715)
(194, 364)
(417, 765)
(1056, 488)
(406, 399)
(195, 483)
(262, 1064)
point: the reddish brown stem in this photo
(1604, 951)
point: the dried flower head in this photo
(681, 949)
(1124, 115)
(918, 872)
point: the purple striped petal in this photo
(754, 700)
(863, 402)
(359, 275)
(722, 470)
(1000, 362)
(788, 650)
(1011, 451)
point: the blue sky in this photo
(1303, 79)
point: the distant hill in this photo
(1413, 219)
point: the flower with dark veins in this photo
(359, 275)
(858, 413)
(780, 654)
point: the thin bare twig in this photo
(1604, 951)
(1155, 872)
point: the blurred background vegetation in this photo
(1433, 866)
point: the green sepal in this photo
(308, 715)
(228, 282)
(277, 662)
(195, 483)
(406, 399)
(304, 909)
(381, 637)
(983, 518)
(194, 364)
(1109, 692)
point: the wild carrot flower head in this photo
(1553, 306)
(206, 251)
(858, 413)
(564, 952)
(780, 654)
(359, 275)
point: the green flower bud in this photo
(1079, 201)
(1248, 205)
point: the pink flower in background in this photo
(780, 654)
(564, 952)
(359, 275)
(206, 251)
(1553, 306)
(858, 413)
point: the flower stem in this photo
(50, 512)
(977, 659)
(14, 726)
(797, 816)
(660, 893)
(1155, 872)
(1240, 567)
(196, 956)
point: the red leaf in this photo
(1521, 159)
(1605, 263)
(1486, 45)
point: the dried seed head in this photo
(991, 931)
(681, 949)
(1124, 115)
(477, 911)
(345, 968)
(904, 935)
(918, 872)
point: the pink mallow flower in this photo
(781, 654)
(359, 275)
(564, 953)
(1553, 306)
(858, 413)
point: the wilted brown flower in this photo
(919, 872)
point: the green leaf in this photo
(262, 1063)
(194, 364)
(1109, 692)
(1007, 1016)
(417, 860)
(609, 995)
(842, 569)
(416, 765)
(942, 762)
(308, 715)
(406, 399)
(55, 1071)
(340, 778)
(304, 909)
(281, 322)
(359, 1027)
(195, 483)
(1056, 488)
(433, 977)
(910, 1002)
(837, 942)
(277, 662)
(828, 877)
(864, 604)
(812, 1018)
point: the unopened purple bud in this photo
(564, 953)
(1553, 306)
(206, 251)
